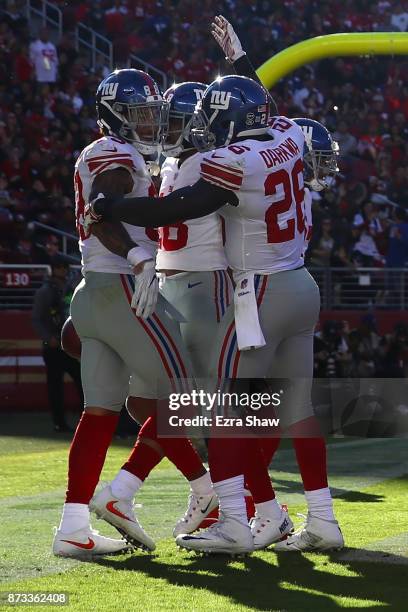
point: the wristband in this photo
(138, 254)
(237, 57)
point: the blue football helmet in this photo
(320, 154)
(182, 99)
(232, 107)
(129, 105)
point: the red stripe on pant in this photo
(223, 350)
(217, 306)
(147, 330)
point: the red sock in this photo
(311, 458)
(178, 450)
(226, 457)
(256, 473)
(181, 453)
(87, 455)
(143, 457)
(269, 448)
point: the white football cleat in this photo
(120, 514)
(87, 543)
(227, 536)
(316, 534)
(266, 531)
(199, 507)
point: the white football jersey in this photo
(109, 153)
(265, 232)
(195, 245)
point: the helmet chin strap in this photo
(103, 125)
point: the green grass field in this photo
(367, 479)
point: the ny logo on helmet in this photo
(220, 99)
(109, 91)
(308, 133)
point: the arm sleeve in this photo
(191, 202)
(243, 66)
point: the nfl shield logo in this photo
(244, 283)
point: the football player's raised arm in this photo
(191, 202)
(243, 66)
(228, 40)
(113, 234)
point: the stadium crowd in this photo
(360, 352)
(47, 117)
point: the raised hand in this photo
(227, 38)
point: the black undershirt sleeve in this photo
(243, 66)
(191, 202)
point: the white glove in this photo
(146, 290)
(90, 215)
(226, 37)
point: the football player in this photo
(258, 171)
(116, 340)
(191, 256)
(320, 155)
(192, 264)
(191, 259)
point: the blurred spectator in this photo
(303, 93)
(364, 343)
(6, 201)
(25, 250)
(48, 317)
(115, 18)
(322, 247)
(399, 18)
(347, 142)
(394, 352)
(332, 355)
(397, 255)
(370, 143)
(52, 246)
(365, 249)
(43, 56)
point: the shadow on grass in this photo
(39, 425)
(256, 583)
(357, 496)
(291, 486)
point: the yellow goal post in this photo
(332, 45)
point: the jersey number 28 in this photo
(292, 190)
